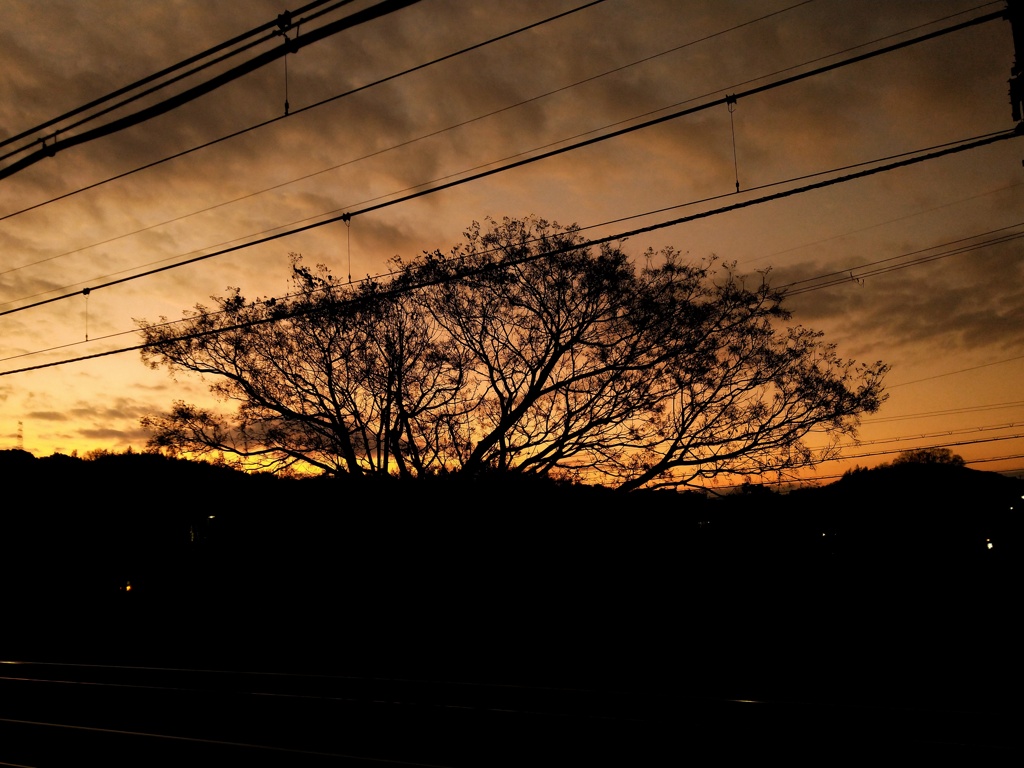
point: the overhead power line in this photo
(947, 412)
(616, 221)
(273, 120)
(619, 220)
(359, 17)
(924, 256)
(954, 444)
(393, 77)
(158, 75)
(890, 452)
(952, 373)
(508, 166)
(790, 482)
(51, 148)
(537, 157)
(930, 435)
(533, 257)
(971, 144)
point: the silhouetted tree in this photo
(343, 378)
(930, 456)
(522, 350)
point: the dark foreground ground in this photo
(456, 627)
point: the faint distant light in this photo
(212, 516)
(989, 544)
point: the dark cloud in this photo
(111, 434)
(119, 408)
(966, 302)
(47, 416)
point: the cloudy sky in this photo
(920, 266)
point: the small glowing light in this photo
(212, 516)
(988, 543)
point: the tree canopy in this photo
(524, 349)
(943, 456)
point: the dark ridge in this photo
(517, 578)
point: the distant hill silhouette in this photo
(149, 494)
(939, 511)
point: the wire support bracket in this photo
(347, 219)
(730, 102)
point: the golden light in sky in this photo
(920, 266)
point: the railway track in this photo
(63, 714)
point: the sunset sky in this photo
(920, 266)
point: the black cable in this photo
(272, 120)
(928, 447)
(951, 373)
(965, 249)
(531, 257)
(308, 218)
(844, 276)
(390, 77)
(336, 97)
(471, 120)
(52, 148)
(946, 412)
(930, 435)
(157, 75)
(971, 144)
(376, 11)
(534, 158)
(896, 267)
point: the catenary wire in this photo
(561, 150)
(411, 141)
(959, 370)
(848, 275)
(294, 112)
(900, 267)
(220, 742)
(969, 144)
(794, 481)
(954, 444)
(630, 217)
(966, 239)
(157, 75)
(382, 8)
(945, 254)
(533, 257)
(417, 138)
(306, 41)
(873, 454)
(939, 433)
(886, 222)
(946, 412)
(53, 148)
